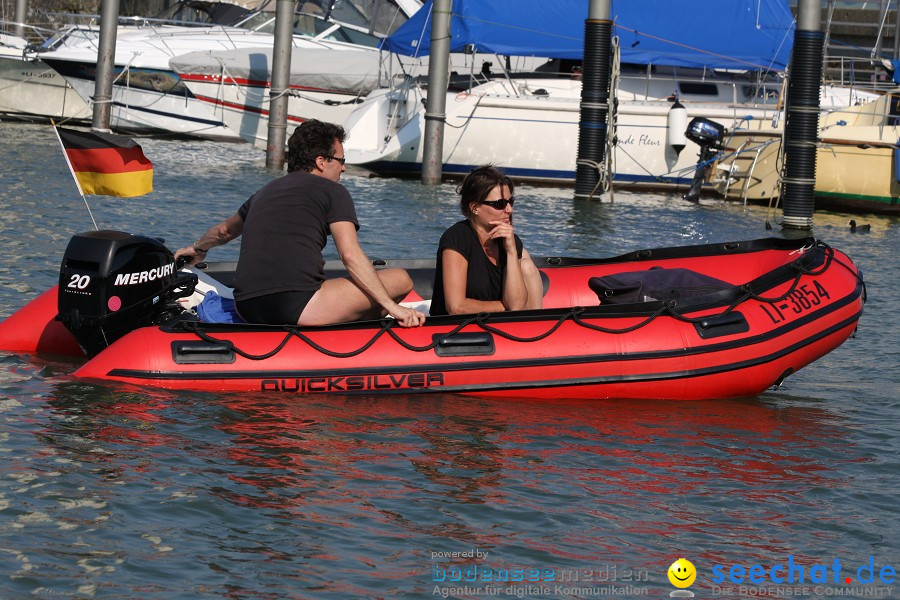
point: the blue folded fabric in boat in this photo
(218, 309)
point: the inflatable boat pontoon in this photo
(696, 322)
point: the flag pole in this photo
(72, 171)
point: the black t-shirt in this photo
(286, 226)
(484, 280)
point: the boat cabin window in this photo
(314, 26)
(362, 22)
(189, 12)
(696, 88)
(377, 17)
(71, 36)
(894, 111)
(259, 21)
(761, 93)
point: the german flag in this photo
(106, 164)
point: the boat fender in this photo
(676, 126)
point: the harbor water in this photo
(131, 493)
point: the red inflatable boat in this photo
(696, 322)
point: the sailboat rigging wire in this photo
(613, 117)
(422, 34)
(877, 43)
(694, 48)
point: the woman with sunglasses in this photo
(482, 265)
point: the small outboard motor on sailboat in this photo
(112, 282)
(708, 135)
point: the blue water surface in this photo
(129, 493)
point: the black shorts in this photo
(282, 308)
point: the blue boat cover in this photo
(734, 34)
(896, 72)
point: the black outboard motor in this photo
(708, 135)
(112, 282)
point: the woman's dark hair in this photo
(478, 184)
(312, 139)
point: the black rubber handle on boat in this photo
(722, 320)
(719, 325)
(466, 339)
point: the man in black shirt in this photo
(280, 277)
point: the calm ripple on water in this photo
(112, 492)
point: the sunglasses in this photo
(501, 203)
(340, 159)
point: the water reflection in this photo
(628, 458)
(563, 484)
(566, 484)
(133, 491)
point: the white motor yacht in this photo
(30, 89)
(148, 96)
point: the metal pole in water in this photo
(106, 63)
(897, 33)
(801, 119)
(21, 17)
(592, 127)
(281, 83)
(438, 67)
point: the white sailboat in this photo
(856, 160)
(529, 125)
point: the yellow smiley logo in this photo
(682, 573)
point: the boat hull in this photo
(243, 106)
(786, 304)
(856, 162)
(31, 90)
(603, 367)
(529, 127)
(148, 100)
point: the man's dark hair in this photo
(478, 184)
(312, 139)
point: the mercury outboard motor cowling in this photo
(112, 282)
(709, 136)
